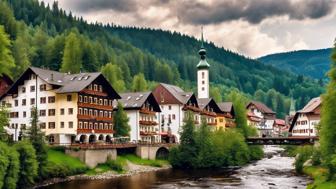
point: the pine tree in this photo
(4, 120)
(72, 57)
(6, 58)
(328, 119)
(204, 145)
(139, 83)
(114, 75)
(216, 94)
(121, 126)
(36, 137)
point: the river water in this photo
(272, 172)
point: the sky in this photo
(250, 27)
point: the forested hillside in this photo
(47, 36)
(312, 63)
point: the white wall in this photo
(311, 123)
(203, 93)
(133, 116)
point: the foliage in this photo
(115, 165)
(12, 172)
(3, 162)
(4, 120)
(120, 119)
(28, 164)
(204, 147)
(304, 153)
(139, 83)
(114, 75)
(320, 176)
(61, 165)
(137, 160)
(6, 58)
(215, 93)
(72, 58)
(36, 137)
(328, 119)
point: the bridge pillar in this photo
(146, 152)
(92, 157)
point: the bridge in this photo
(297, 140)
(94, 153)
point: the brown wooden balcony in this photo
(94, 118)
(212, 123)
(191, 108)
(148, 133)
(151, 123)
(92, 92)
(146, 111)
(95, 106)
(98, 131)
(207, 113)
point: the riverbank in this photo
(319, 176)
(131, 169)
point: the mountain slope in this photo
(312, 63)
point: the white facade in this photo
(265, 126)
(305, 125)
(36, 92)
(203, 83)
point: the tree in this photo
(72, 57)
(36, 137)
(113, 74)
(204, 146)
(120, 119)
(12, 172)
(4, 162)
(328, 119)
(216, 94)
(4, 120)
(139, 83)
(6, 58)
(28, 164)
(21, 52)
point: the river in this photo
(272, 172)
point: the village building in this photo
(5, 83)
(174, 104)
(209, 111)
(262, 117)
(143, 112)
(226, 119)
(306, 120)
(280, 128)
(71, 107)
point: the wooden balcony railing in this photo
(92, 92)
(146, 111)
(94, 118)
(207, 113)
(192, 108)
(143, 122)
(95, 106)
(147, 133)
(110, 131)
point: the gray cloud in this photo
(253, 11)
(97, 5)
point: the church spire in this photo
(202, 73)
(203, 64)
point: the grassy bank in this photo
(319, 174)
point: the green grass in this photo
(61, 165)
(320, 178)
(137, 160)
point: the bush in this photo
(304, 153)
(4, 162)
(28, 164)
(256, 152)
(12, 173)
(115, 165)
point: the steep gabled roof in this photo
(65, 83)
(227, 107)
(203, 102)
(175, 94)
(136, 100)
(262, 107)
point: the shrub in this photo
(256, 152)
(12, 173)
(4, 162)
(304, 153)
(115, 165)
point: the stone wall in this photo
(92, 157)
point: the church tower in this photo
(202, 74)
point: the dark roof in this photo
(66, 83)
(136, 100)
(262, 107)
(203, 102)
(225, 106)
(178, 93)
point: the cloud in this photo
(253, 11)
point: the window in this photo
(70, 124)
(43, 87)
(203, 82)
(42, 125)
(32, 101)
(51, 112)
(169, 107)
(202, 88)
(95, 100)
(173, 116)
(80, 98)
(43, 100)
(95, 87)
(85, 111)
(90, 112)
(100, 101)
(110, 102)
(51, 125)
(69, 98)
(23, 90)
(202, 75)
(101, 114)
(100, 88)
(51, 99)
(42, 113)
(16, 102)
(62, 124)
(80, 125)
(85, 125)
(90, 100)
(95, 113)
(70, 111)
(85, 99)
(24, 114)
(32, 88)
(62, 111)
(80, 111)
(105, 102)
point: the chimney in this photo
(52, 77)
